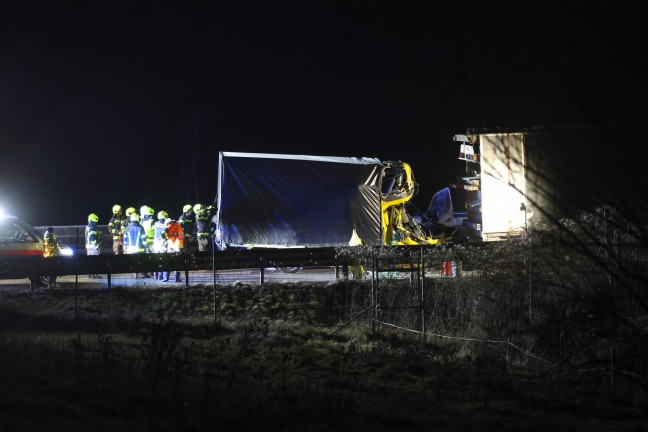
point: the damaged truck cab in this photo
(398, 187)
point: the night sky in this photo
(129, 103)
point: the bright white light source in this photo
(503, 184)
(66, 250)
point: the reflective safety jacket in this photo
(174, 236)
(187, 222)
(92, 236)
(134, 238)
(159, 241)
(116, 226)
(203, 217)
(50, 245)
(147, 224)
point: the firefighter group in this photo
(134, 232)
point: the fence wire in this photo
(548, 300)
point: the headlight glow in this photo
(66, 251)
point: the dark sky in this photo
(130, 102)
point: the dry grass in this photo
(276, 359)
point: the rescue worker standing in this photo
(187, 222)
(147, 221)
(159, 241)
(51, 249)
(134, 236)
(93, 239)
(116, 228)
(203, 218)
(175, 243)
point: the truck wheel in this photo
(39, 280)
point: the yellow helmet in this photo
(186, 208)
(130, 211)
(93, 218)
(134, 217)
(116, 208)
(197, 208)
(162, 215)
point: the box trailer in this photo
(541, 175)
(495, 185)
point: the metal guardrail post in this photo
(261, 270)
(374, 289)
(421, 281)
(215, 299)
(76, 278)
(76, 261)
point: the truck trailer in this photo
(283, 200)
(540, 175)
(494, 186)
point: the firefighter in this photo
(51, 249)
(187, 222)
(147, 221)
(175, 243)
(93, 239)
(159, 242)
(116, 228)
(203, 228)
(130, 211)
(134, 236)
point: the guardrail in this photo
(15, 267)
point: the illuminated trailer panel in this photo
(503, 184)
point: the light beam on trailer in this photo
(503, 184)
